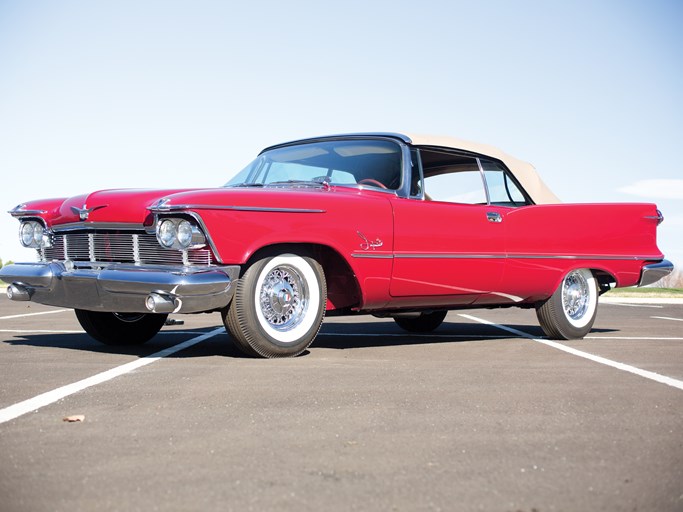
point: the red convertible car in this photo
(387, 224)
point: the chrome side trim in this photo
(582, 257)
(450, 256)
(654, 272)
(522, 256)
(18, 211)
(372, 256)
(659, 217)
(164, 208)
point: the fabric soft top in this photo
(524, 172)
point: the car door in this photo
(449, 243)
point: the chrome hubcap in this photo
(283, 298)
(575, 295)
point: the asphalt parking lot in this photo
(482, 414)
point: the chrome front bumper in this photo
(120, 287)
(654, 272)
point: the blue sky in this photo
(184, 93)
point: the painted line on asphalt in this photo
(640, 338)
(663, 379)
(667, 318)
(34, 314)
(43, 331)
(35, 403)
(38, 331)
(409, 335)
(634, 305)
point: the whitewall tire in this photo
(278, 307)
(571, 310)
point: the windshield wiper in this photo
(245, 185)
(321, 181)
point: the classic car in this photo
(389, 224)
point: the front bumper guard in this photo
(121, 287)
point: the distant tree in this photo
(0, 262)
(673, 280)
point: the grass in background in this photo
(646, 292)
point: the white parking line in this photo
(608, 362)
(38, 331)
(43, 331)
(667, 318)
(622, 304)
(406, 335)
(32, 404)
(35, 314)
(641, 338)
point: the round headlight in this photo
(26, 233)
(166, 233)
(184, 234)
(38, 234)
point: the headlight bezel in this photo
(33, 234)
(179, 233)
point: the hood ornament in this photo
(84, 212)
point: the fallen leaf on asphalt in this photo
(75, 417)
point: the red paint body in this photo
(423, 253)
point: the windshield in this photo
(375, 163)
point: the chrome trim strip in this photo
(522, 256)
(486, 185)
(449, 256)
(183, 207)
(98, 226)
(372, 256)
(360, 135)
(582, 257)
(18, 211)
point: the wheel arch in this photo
(606, 281)
(343, 289)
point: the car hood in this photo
(134, 206)
(119, 206)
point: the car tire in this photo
(571, 310)
(426, 322)
(278, 306)
(120, 328)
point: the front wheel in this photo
(278, 306)
(120, 328)
(570, 311)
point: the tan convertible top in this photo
(524, 172)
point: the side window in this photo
(457, 186)
(503, 190)
(451, 177)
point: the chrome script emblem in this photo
(367, 244)
(84, 212)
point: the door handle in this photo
(494, 217)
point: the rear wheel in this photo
(570, 312)
(278, 307)
(426, 322)
(120, 328)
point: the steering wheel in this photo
(370, 181)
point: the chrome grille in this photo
(140, 248)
